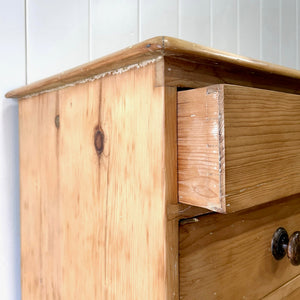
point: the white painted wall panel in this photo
(224, 25)
(12, 74)
(158, 17)
(249, 28)
(194, 21)
(114, 25)
(270, 31)
(288, 40)
(57, 36)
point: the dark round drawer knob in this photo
(293, 249)
(282, 244)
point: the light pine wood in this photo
(229, 257)
(197, 62)
(237, 147)
(182, 211)
(96, 227)
(40, 202)
(170, 163)
(199, 170)
(289, 291)
(175, 210)
(104, 225)
(187, 72)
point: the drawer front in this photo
(229, 256)
(237, 147)
(289, 291)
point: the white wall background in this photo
(39, 38)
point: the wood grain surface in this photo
(221, 67)
(289, 291)
(199, 170)
(237, 147)
(188, 72)
(229, 256)
(98, 160)
(40, 205)
(94, 224)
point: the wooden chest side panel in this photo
(229, 256)
(94, 223)
(40, 206)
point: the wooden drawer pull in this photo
(282, 244)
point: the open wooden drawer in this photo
(237, 146)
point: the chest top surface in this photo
(224, 67)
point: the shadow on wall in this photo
(9, 201)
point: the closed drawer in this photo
(289, 291)
(237, 147)
(229, 256)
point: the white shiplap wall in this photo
(12, 74)
(40, 38)
(64, 33)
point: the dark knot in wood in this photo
(99, 141)
(57, 121)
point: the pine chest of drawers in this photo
(161, 172)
